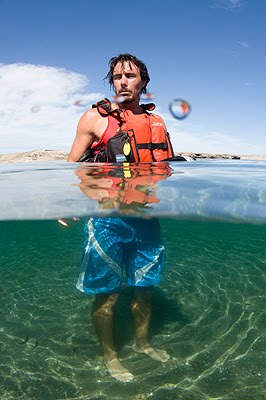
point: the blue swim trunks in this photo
(120, 248)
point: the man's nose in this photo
(124, 80)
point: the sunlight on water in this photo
(208, 313)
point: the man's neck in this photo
(133, 106)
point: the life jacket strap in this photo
(148, 107)
(153, 146)
(104, 109)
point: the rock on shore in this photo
(52, 155)
(223, 156)
(195, 156)
(34, 155)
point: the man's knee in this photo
(142, 298)
(104, 305)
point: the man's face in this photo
(127, 81)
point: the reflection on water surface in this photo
(206, 190)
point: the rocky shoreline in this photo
(52, 155)
(34, 155)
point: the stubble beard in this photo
(128, 101)
(131, 99)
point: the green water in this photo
(208, 313)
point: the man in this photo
(116, 243)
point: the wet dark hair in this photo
(126, 57)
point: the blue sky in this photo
(210, 52)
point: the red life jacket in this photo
(131, 137)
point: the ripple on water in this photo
(208, 313)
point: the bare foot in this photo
(118, 372)
(152, 352)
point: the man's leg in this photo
(103, 317)
(142, 309)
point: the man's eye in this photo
(115, 77)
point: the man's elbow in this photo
(70, 158)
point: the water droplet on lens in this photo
(147, 97)
(180, 108)
(82, 102)
(35, 109)
(118, 99)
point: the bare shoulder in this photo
(91, 122)
(89, 130)
(89, 117)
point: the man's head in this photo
(128, 61)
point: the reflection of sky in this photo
(216, 190)
(210, 53)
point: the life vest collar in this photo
(104, 109)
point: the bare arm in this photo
(87, 130)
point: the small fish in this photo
(63, 222)
(24, 341)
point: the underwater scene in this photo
(208, 311)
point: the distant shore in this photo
(52, 155)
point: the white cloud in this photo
(37, 109)
(230, 5)
(242, 43)
(196, 139)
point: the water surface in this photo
(208, 312)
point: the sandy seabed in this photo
(208, 314)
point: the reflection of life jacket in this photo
(125, 187)
(130, 137)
